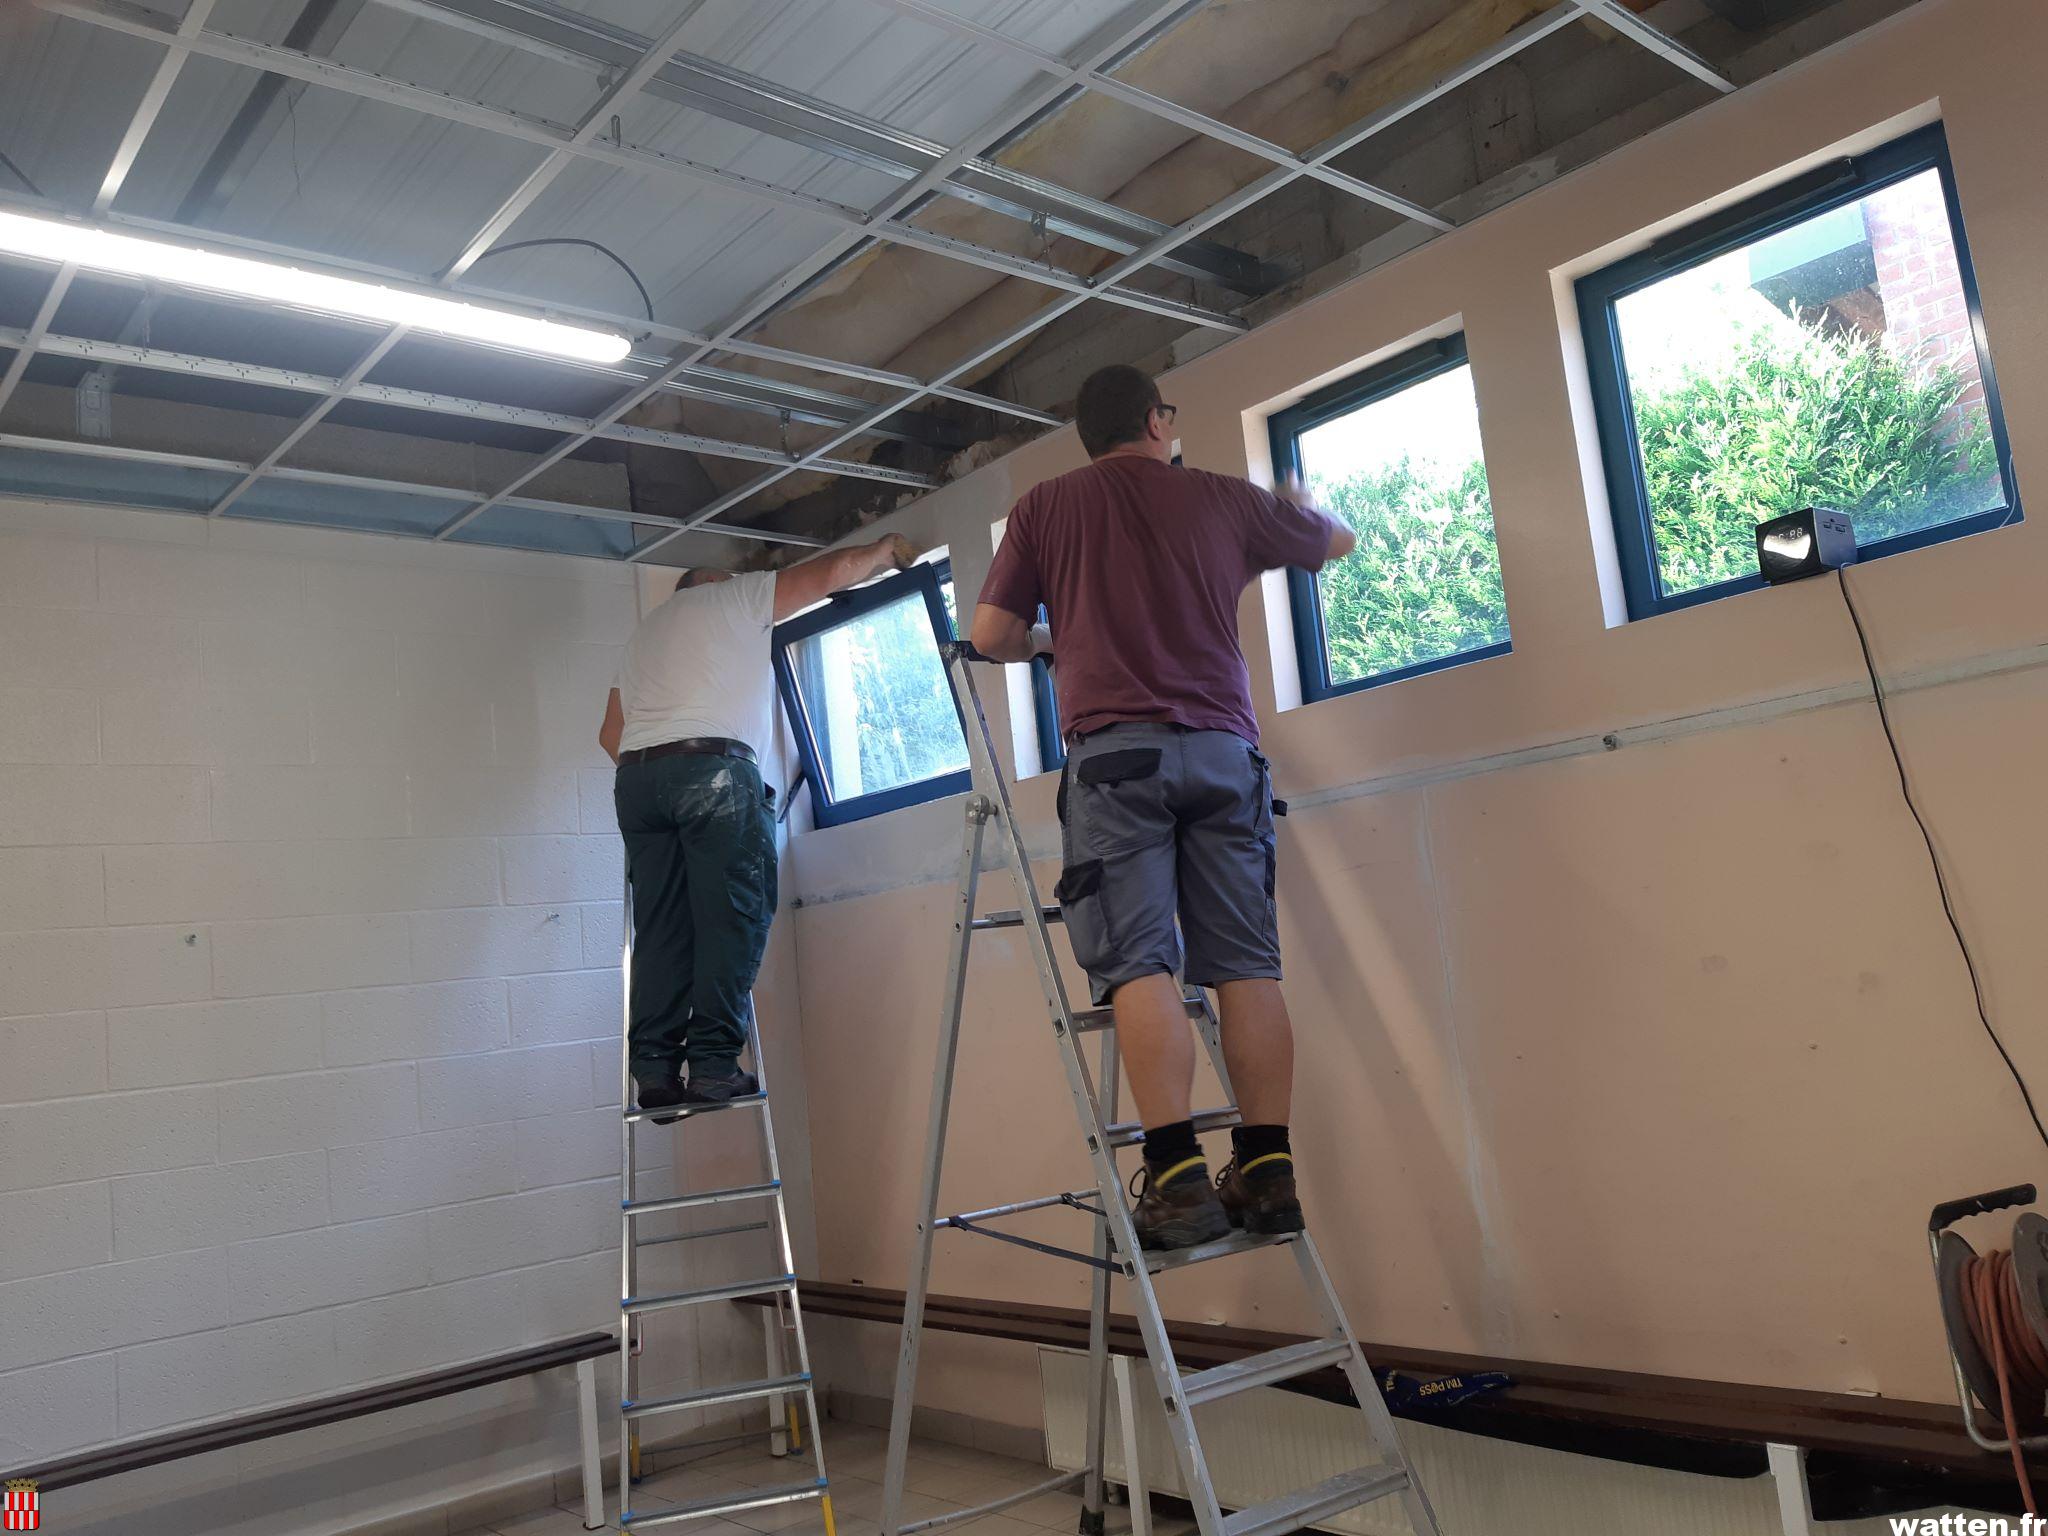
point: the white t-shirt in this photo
(699, 665)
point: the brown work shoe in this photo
(1180, 1210)
(1262, 1201)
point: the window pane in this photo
(1830, 364)
(1424, 583)
(876, 699)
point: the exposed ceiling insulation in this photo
(855, 243)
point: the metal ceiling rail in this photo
(551, 31)
(766, 301)
(375, 485)
(632, 324)
(1158, 106)
(144, 117)
(138, 21)
(160, 360)
(537, 181)
(1522, 37)
(1637, 30)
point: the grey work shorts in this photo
(1158, 820)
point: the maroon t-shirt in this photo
(1140, 565)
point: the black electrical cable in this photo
(1948, 909)
(606, 251)
(19, 174)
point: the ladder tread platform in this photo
(677, 1112)
(1332, 1496)
(1131, 1133)
(710, 1397)
(1158, 1263)
(701, 1197)
(705, 1509)
(1014, 917)
(635, 1306)
(1089, 1020)
(1262, 1370)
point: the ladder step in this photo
(1129, 1133)
(1262, 1370)
(704, 1509)
(1221, 1248)
(1088, 1020)
(685, 1111)
(1013, 917)
(1292, 1511)
(634, 1306)
(702, 1197)
(707, 1397)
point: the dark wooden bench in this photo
(581, 1351)
(1860, 1456)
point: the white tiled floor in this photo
(941, 1477)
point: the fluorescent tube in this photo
(242, 277)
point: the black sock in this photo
(1168, 1149)
(1252, 1143)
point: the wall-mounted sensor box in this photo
(1806, 543)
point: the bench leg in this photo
(593, 1462)
(1137, 1493)
(1788, 1470)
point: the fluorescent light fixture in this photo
(273, 282)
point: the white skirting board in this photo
(1266, 1442)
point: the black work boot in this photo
(717, 1082)
(1178, 1210)
(1261, 1197)
(652, 1093)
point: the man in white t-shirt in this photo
(688, 722)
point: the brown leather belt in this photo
(695, 746)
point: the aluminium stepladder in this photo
(781, 1386)
(1116, 1251)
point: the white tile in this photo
(48, 725)
(466, 801)
(204, 583)
(265, 1116)
(51, 888)
(52, 1056)
(52, 1317)
(412, 1173)
(67, 969)
(49, 1230)
(597, 813)
(402, 1023)
(53, 803)
(563, 868)
(566, 1006)
(245, 653)
(225, 1203)
(310, 954)
(485, 1236)
(282, 804)
(566, 1149)
(64, 1141)
(214, 1041)
(37, 572)
(206, 1375)
(298, 1271)
(604, 934)
(225, 881)
(251, 727)
(61, 648)
(494, 941)
(50, 1409)
(504, 1085)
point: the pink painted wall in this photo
(1652, 1058)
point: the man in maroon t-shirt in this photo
(1166, 805)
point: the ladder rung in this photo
(757, 1498)
(1013, 917)
(1262, 1370)
(1088, 1020)
(633, 1306)
(685, 1111)
(702, 1197)
(1292, 1511)
(707, 1397)
(1129, 1133)
(1221, 1248)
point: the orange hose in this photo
(1991, 1305)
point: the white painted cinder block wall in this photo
(309, 1003)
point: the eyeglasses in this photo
(1172, 411)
